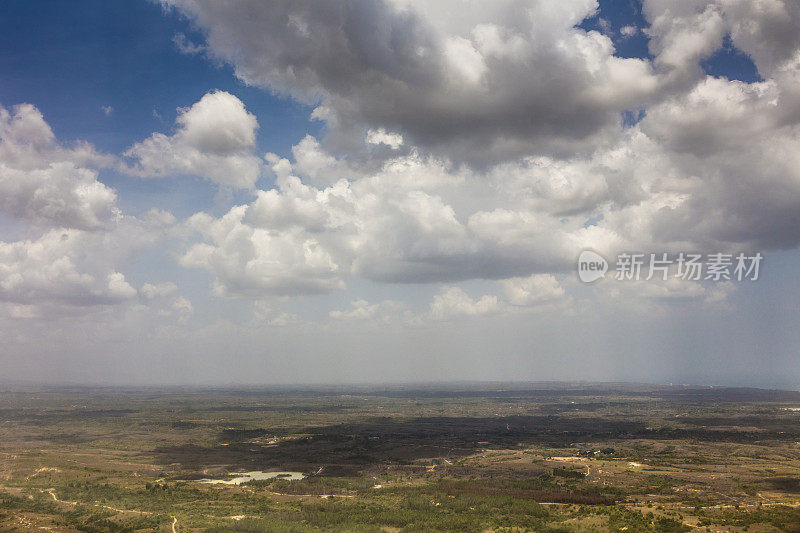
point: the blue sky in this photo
(70, 63)
(377, 191)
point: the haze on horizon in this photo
(396, 191)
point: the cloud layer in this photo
(80, 240)
(214, 139)
(45, 183)
(472, 86)
(534, 103)
(467, 153)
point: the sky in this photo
(208, 193)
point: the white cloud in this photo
(50, 187)
(419, 219)
(687, 176)
(185, 46)
(471, 86)
(531, 291)
(659, 296)
(381, 136)
(362, 311)
(683, 34)
(67, 271)
(264, 315)
(539, 292)
(766, 30)
(151, 291)
(690, 175)
(477, 142)
(73, 264)
(555, 172)
(394, 226)
(215, 139)
(47, 184)
(77, 240)
(162, 300)
(316, 165)
(453, 302)
(59, 267)
(256, 262)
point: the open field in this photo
(540, 457)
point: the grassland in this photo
(539, 457)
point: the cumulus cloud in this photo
(478, 142)
(471, 89)
(514, 295)
(381, 136)
(254, 261)
(532, 290)
(214, 139)
(58, 267)
(413, 221)
(163, 300)
(472, 86)
(657, 296)
(670, 183)
(711, 165)
(765, 30)
(362, 311)
(78, 240)
(66, 270)
(185, 46)
(729, 150)
(265, 315)
(684, 33)
(453, 302)
(47, 184)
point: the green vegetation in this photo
(527, 459)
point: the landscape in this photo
(469, 457)
(389, 266)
